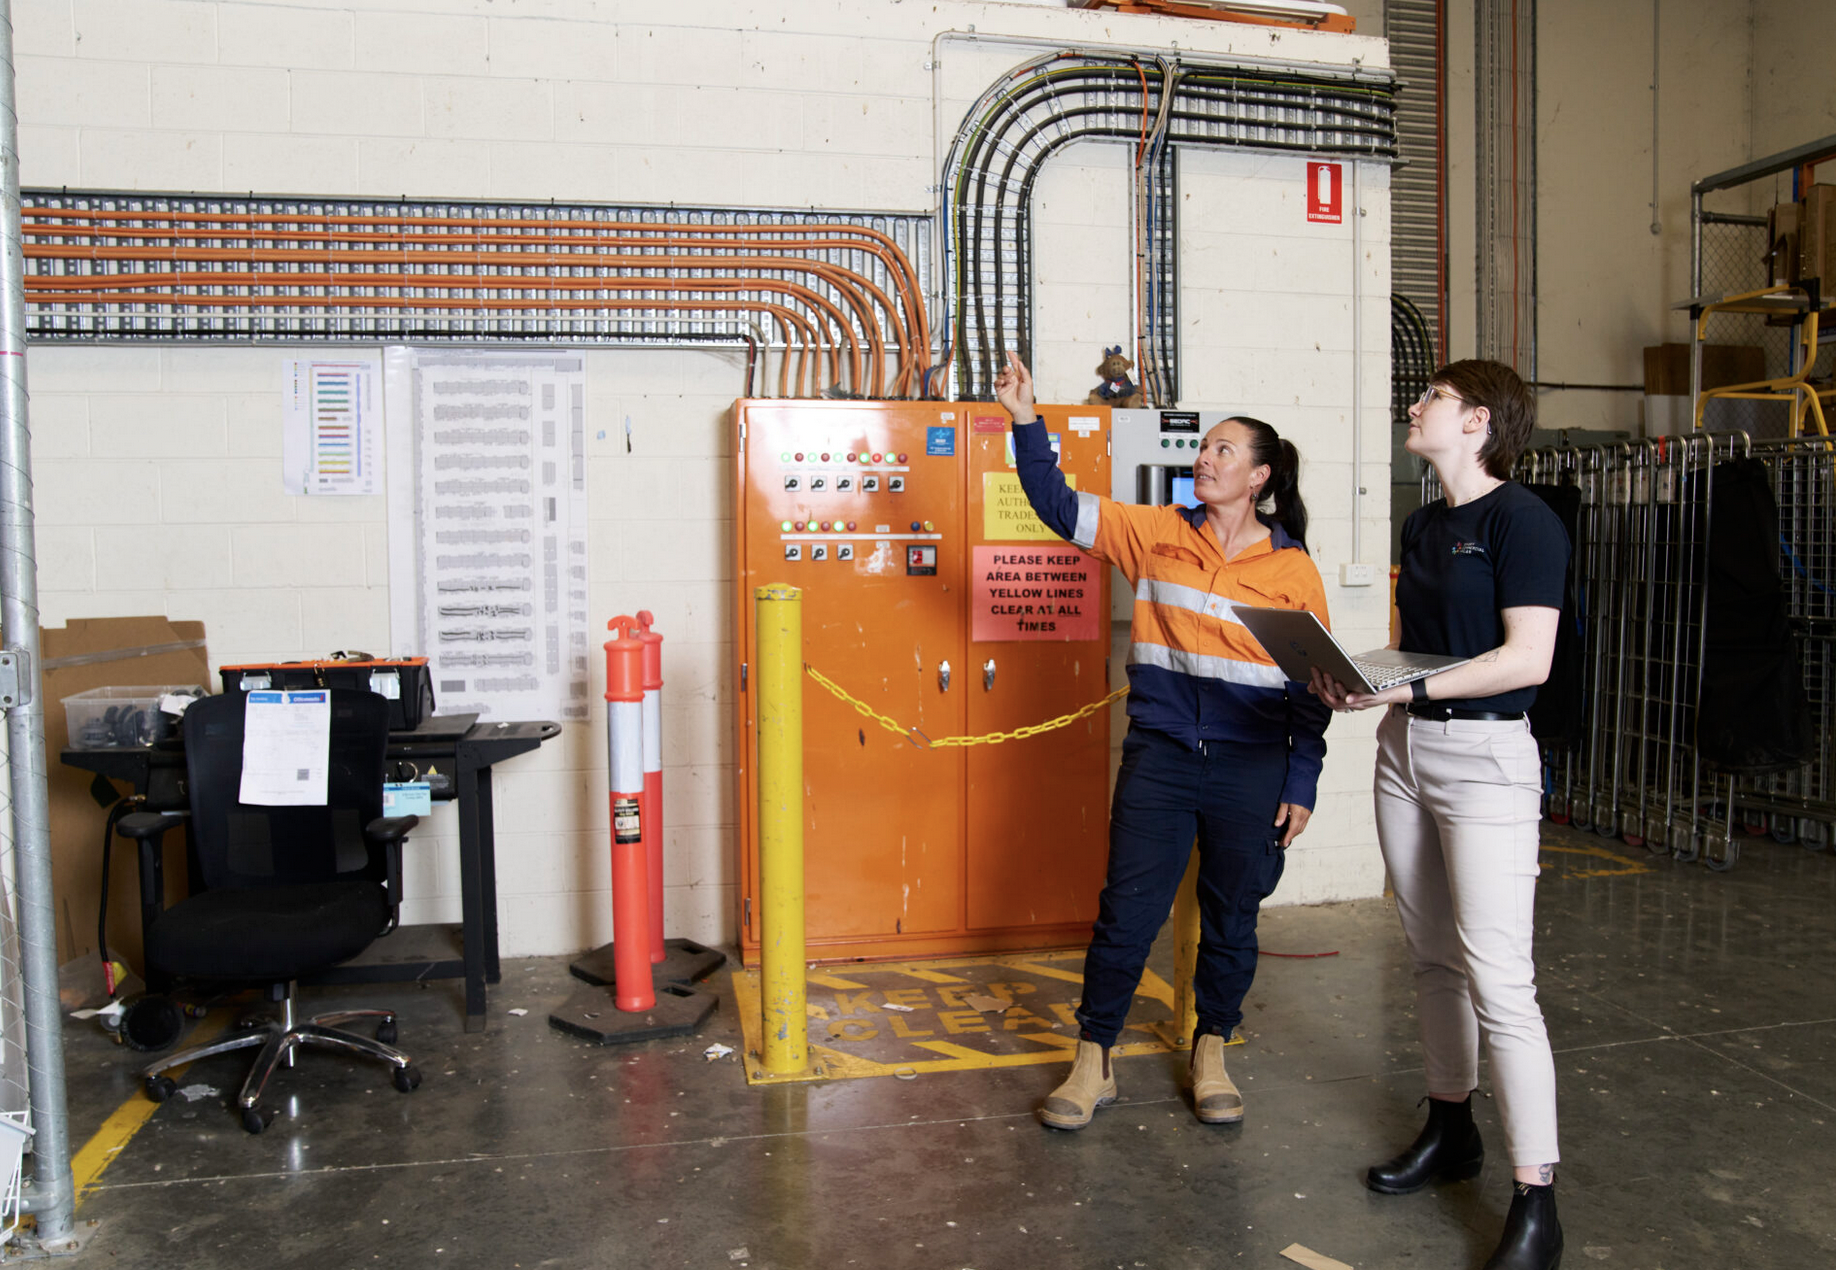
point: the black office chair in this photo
(289, 891)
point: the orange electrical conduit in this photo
(846, 282)
(557, 236)
(787, 318)
(898, 265)
(131, 289)
(884, 249)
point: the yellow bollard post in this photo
(785, 1049)
(1177, 1032)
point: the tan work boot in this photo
(1090, 1085)
(1214, 1096)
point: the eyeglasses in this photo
(1434, 390)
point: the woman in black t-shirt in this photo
(1458, 790)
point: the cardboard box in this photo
(1781, 256)
(1817, 237)
(99, 653)
(1667, 367)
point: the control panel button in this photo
(895, 484)
(845, 551)
(844, 485)
(916, 526)
(818, 484)
(1165, 444)
(901, 458)
(793, 482)
(793, 551)
(876, 458)
(929, 528)
(819, 552)
(870, 485)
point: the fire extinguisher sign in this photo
(1325, 187)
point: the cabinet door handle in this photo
(988, 673)
(943, 676)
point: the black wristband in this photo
(1418, 690)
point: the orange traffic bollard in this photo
(630, 863)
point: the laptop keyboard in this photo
(1381, 676)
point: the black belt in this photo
(1440, 714)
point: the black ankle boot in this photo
(1532, 1238)
(1447, 1149)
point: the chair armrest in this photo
(389, 828)
(143, 825)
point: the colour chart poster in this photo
(331, 425)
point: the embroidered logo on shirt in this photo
(1469, 549)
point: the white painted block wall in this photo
(157, 468)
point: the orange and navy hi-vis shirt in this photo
(1194, 670)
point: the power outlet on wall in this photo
(1357, 575)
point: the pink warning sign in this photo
(1019, 592)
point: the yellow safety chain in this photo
(922, 741)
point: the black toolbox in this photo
(404, 680)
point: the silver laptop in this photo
(1297, 642)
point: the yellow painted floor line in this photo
(831, 1061)
(93, 1159)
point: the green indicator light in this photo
(784, 525)
(1164, 443)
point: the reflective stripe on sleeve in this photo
(1084, 533)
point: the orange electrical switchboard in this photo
(934, 596)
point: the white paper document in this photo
(286, 748)
(487, 527)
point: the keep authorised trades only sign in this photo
(1020, 592)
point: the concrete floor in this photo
(1693, 1015)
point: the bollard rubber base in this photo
(684, 961)
(592, 1014)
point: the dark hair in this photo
(1283, 485)
(1513, 411)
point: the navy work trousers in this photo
(1225, 795)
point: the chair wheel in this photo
(385, 1032)
(407, 1078)
(160, 1088)
(255, 1119)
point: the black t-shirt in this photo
(1461, 565)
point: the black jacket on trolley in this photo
(1751, 717)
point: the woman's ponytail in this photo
(1282, 490)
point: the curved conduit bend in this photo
(1054, 100)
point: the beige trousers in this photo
(1457, 815)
